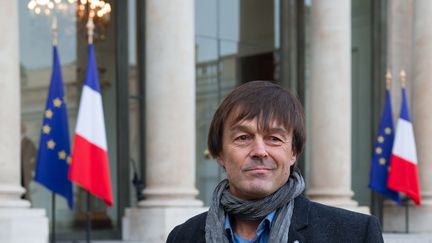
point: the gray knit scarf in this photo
(282, 201)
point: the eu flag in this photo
(382, 153)
(52, 165)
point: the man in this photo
(256, 135)
(28, 158)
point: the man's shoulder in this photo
(195, 220)
(336, 224)
(193, 230)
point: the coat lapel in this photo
(200, 236)
(299, 221)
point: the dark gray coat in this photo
(311, 222)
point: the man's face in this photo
(257, 163)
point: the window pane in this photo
(235, 43)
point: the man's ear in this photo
(293, 158)
(221, 161)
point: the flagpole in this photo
(406, 217)
(388, 78)
(54, 30)
(405, 202)
(402, 76)
(90, 28)
(53, 201)
(82, 170)
(54, 144)
(88, 216)
(380, 166)
(53, 208)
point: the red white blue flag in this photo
(403, 175)
(90, 166)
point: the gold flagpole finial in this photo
(388, 78)
(403, 78)
(90, 27)
(54, 30)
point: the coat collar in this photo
(300, 217)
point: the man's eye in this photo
(275, 140)
(242, 137)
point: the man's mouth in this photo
(257, 169)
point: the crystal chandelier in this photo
(99, 10)
(47, 7)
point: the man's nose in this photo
(258, 150)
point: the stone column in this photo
(329, 117)
(170, 123)
(18, 223)
(421, 217)
(400, 43)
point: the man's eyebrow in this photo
(240, 127)
(278, 130)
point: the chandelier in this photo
(47, 7)
(99, 10)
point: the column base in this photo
(345, 204)
(153, 224)
(23, 225)
(11, 197)
(419, 217)
(170, 203)
(337, 198)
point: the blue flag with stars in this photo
(52, 164)
(382, 152)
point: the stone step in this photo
(407, 238)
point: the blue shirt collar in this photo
(264, 227)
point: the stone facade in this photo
(170, 193)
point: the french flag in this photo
(90, 165)
(403, 175)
